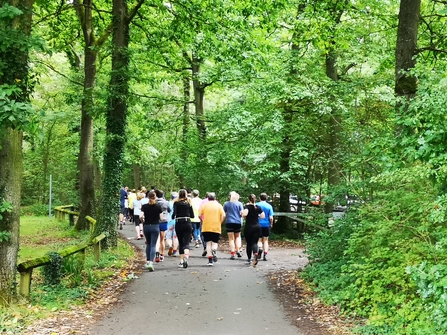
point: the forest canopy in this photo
(336, 98)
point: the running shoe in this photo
(150, 267)
(249, 261)
(157, 257)
(204, 253)
(232, 257)
(238, 253)
(121, 226)
(180, 265)
(255, 261)
(141, 233)
(137, 238)
(162, 258)
(210, 262)
(197, 245)
(214, 255)
(185, 263)
(171, 249)
(259, 253)
(265, 257)
(174, 253)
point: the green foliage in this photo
(363, 262)
(4, 207)
(72, 269)
(13, 114)
(52, 272)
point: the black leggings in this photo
(183, 230)
(252, 234)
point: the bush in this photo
(383, 262)
(52, 272)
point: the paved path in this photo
(228, 298)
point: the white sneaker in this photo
(180, 265)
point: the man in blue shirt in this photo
(266, 222)
(123, 197)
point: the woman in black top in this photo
(252, 230)
(182, 213)
(151, 227)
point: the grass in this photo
(38, 236)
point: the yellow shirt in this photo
(195, 203)
(132, 196)
(213, 216)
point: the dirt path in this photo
(229, 298)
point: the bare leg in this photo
(231, 242)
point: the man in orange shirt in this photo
(213, 216)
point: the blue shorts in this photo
(163, 226)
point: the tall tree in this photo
(15, 25)
(406, 44)
(86, 163)
(116, 120)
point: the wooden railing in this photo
(61, 211)
(26, 268)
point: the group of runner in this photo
(173, 225)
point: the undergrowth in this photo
(384, 262)
(79, 278)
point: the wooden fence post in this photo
(25, 282)
(97, 251)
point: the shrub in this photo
(383, 262)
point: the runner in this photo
(213, 216)
(182, 214)
(195, 202)
(153, 213)
(233, 216)
(266, 222)
(123, 198)
(160, 248)
(136, 215)
(131, 196)
(171, 236)
(252, 230)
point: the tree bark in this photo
(199, 95)
(334, 128)
(407, 34)
(185, 126)
(86, 165)
(11, 161)
(115, 125)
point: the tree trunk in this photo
(115, 125)
(186, 117)
(334, 127)
(199, 95)
(407, 34)
(85, 159)
(136, 176)
(10, 185)
(281, 225)
(11, 162)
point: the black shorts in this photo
(233, 227)
(265, 231)
(211, 237)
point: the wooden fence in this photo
(26, 268)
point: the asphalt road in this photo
(229, 298)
